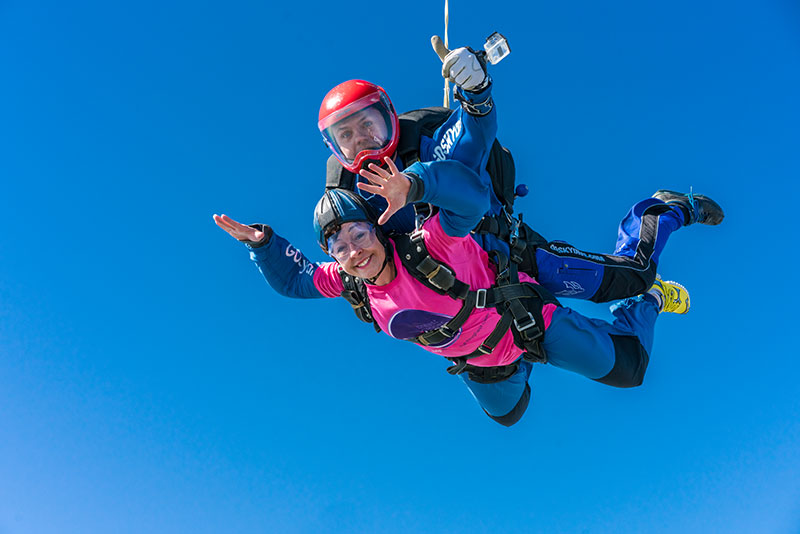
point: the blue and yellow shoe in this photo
(672, 296)
(696, 208)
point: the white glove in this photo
(462, 68)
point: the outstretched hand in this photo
(237, 230)
(389, 183)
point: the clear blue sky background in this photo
(150, 381)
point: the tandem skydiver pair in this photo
(464, 278)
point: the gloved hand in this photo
(462, 67)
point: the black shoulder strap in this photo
(503, 172)
(413, 125)
(432, 273)
(338, 176)
(356, 294)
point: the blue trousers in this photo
(567, 271)
(614, 353)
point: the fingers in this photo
(392, 167)
(222, 223)
(226, 223)
(375, 173)
(450, 61)
(374, 189)
(438, 47)
(373, 178)
(237, 230)
(386, 215)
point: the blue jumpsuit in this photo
(612, 353)
(467, 136)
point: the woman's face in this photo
(357, 249)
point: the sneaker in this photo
(697, 208)
(672, 296)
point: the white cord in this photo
(446, 45)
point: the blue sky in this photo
(150, 381)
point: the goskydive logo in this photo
(448, 140)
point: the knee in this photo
(630, 363)
(623, 283)
(648, 279)
(517, 412)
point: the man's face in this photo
(364, 130)
(358, 250)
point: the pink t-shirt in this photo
(404, 308)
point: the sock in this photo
(656, 297)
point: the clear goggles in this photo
(360, 130)
(352, 236)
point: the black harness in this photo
(518, 303)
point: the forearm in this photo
(464, 136)
(479, 119)
(285, 268)
(476, 103)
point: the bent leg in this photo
(615, 353)
(569, 272)
(505, 401)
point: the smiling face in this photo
(364, 130)
(360, 253)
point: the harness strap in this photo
(450, 329)
(491, 375)
(433, 274)
(355, 294)
(489, 225)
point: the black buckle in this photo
(458, 367)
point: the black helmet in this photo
(337, 207)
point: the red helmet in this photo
(358, 123)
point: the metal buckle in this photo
(421, 214)
(446, 331)
(480, 298)
(483, 349)
(529, 324)
(514, 233)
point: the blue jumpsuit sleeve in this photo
(467, 135)
(460, 194)
(286, 269)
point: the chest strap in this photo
(519, 304)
